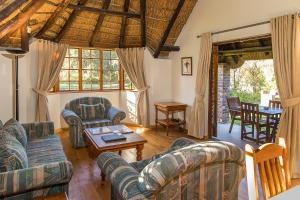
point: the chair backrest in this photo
(206, 170)
(273, 169)
(275, 104)
(249, 113)
(233, 102)
(74, 104)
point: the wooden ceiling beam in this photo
(103, 11)
(169, 27)
(143, 22)
(100, 20)
(124, 24)
(61, 7)
(170, 48)
(24, 38)
(11, 8)
(245, 50)
(21, 19)
(69, 22)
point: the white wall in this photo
(158, 76)
(216, 15)
(27, 79)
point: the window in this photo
(92, 70)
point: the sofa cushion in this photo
(12, 153)
(14, 128)
(96, 123)
(45, 150)
(92, 112)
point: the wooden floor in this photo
(86, 182)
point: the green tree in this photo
(248, 81)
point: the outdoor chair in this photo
(275, 104)
(250, 116)
(234, 106)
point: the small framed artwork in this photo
(186, 66)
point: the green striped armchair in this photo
(47, 170)
(89, 112)
(188, 170)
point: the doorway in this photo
(241, 68)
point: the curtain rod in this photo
(238, 28)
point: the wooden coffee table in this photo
(97, 146)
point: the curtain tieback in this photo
(291, 102)
(42, 93)
(143, 89)
(199, 97)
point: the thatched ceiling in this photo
(86, 22)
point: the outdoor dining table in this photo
(267, 112)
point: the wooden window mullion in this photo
(101, 69)
(80, 69)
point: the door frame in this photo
(213, 83)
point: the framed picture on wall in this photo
(186, 66)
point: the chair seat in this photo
(96, 123)
(45, 150)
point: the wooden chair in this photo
(275, 104)
(234, 106)
(273, 168)
(250, 117)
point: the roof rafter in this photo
(169, 27)
(100, 20)
(103, 11)
(143, 22)
(11, 8)
(68, 22)
(21, 19)
(124, 23)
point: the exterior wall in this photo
(223, 92)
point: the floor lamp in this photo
(14, 56)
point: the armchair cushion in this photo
(96, 123)
(1, 124)
(14, 128)
(92, 112)
(13, 154)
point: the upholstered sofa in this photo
(33, 163)
(89, 112)
(188, 170)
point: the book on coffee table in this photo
(113, 137)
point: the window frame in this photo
(56, 88)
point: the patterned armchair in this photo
(206, 170)
(83, 113)
(48, 171)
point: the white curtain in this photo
(132, 61)
(286, 53)
(50, 58)
(198, 124)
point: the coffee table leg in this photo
(139, 152)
